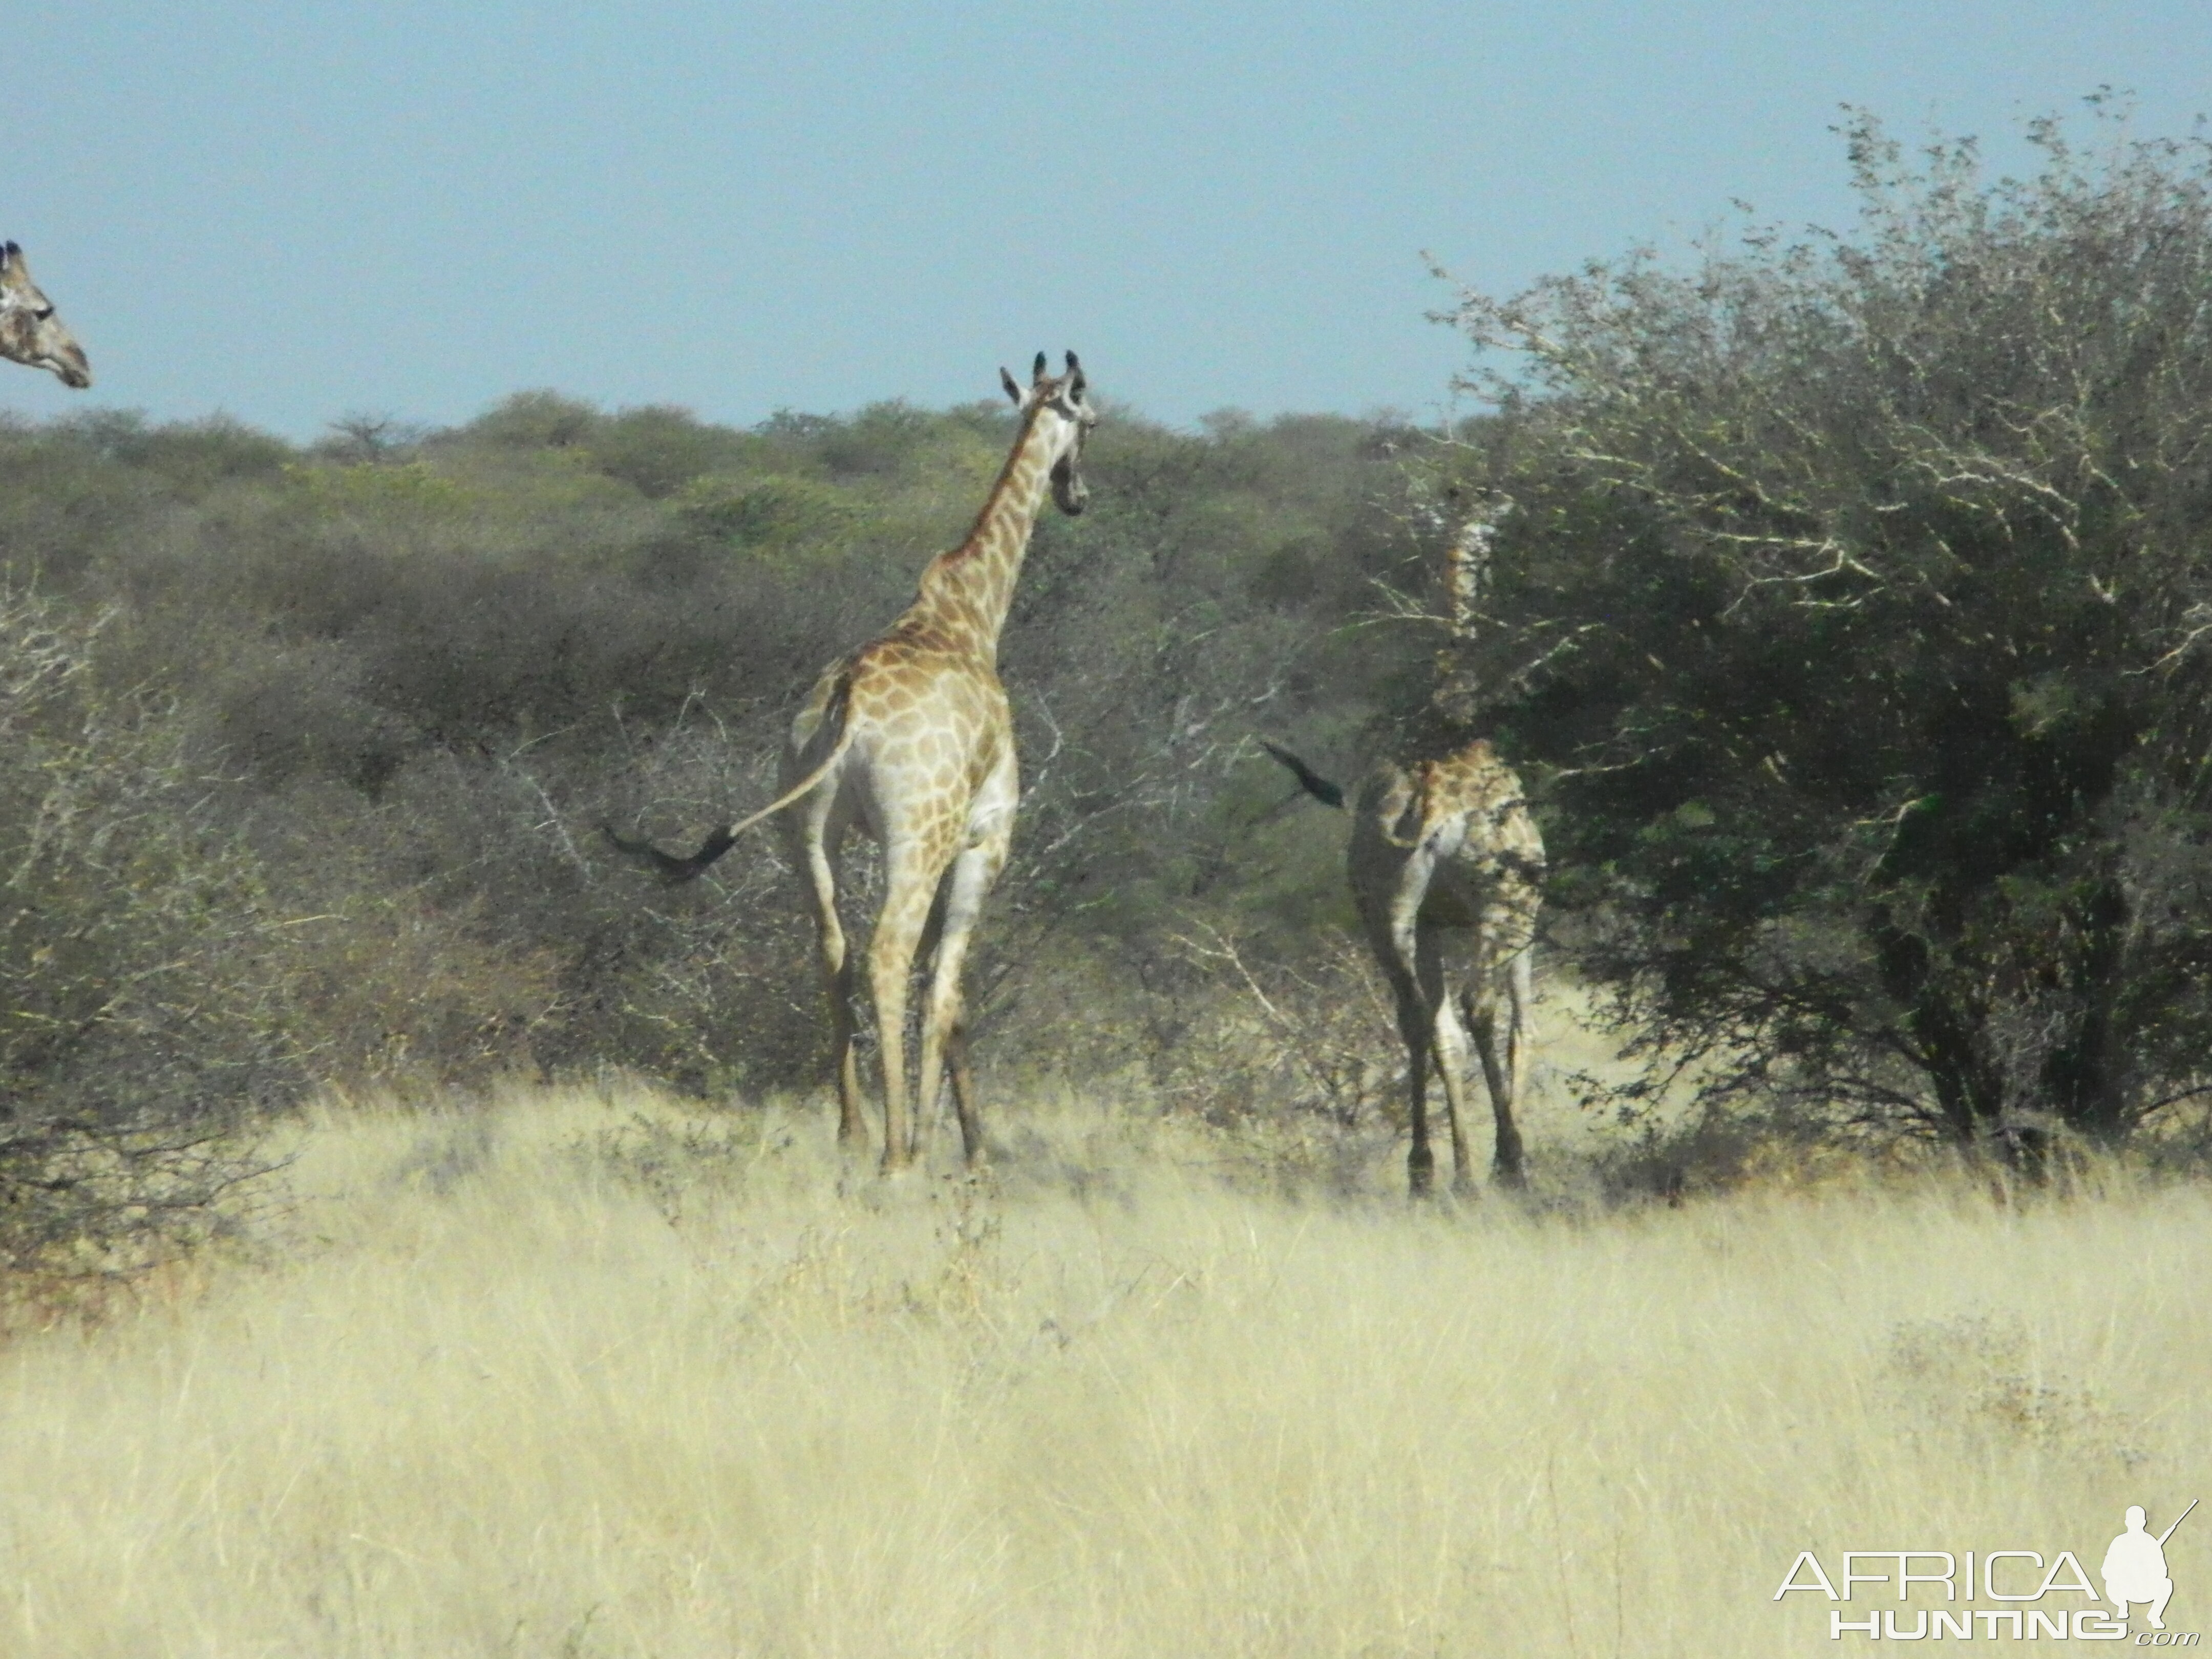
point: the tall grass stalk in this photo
(585, 1376)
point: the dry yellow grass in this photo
(579, 1377)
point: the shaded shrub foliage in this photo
(1859, 608)
(140, 967)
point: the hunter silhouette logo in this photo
(2135, 1567)
(2134, 1571)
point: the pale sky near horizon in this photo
(289, 212)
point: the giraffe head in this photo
(1061, 400)
(30, 332)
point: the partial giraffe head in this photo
(30, 332)
(1062, 397)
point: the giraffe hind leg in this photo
(816, 852)
(1448, 1044)
(944, 1035)
(1504, 1081)
(1520, 981)
(964, 1090)
(1391, 906)
(909, 887)
(1416, 1028)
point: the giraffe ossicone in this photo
(910, 739)
(31, 331)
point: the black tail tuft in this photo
(671, 869)
(1317, 785)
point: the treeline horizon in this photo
(306, 788)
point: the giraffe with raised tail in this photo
(911, 739)
(31, 332)
(1446, 867)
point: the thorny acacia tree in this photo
(1863, 606)
(138, 1003)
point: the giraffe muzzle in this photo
(1068, 489)
(69, 364)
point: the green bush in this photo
(1858, 609)
(141, 969)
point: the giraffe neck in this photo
(1467, 570)
(966, 593)
(1467, 561)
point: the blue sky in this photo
(293, 211)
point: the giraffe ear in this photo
(1007, 381)
(1075, 380)
(1036, 369)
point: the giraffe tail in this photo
(674, 869)
(1318, 786)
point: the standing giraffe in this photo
(30, 332)
(1444, 850)
(910, 737)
